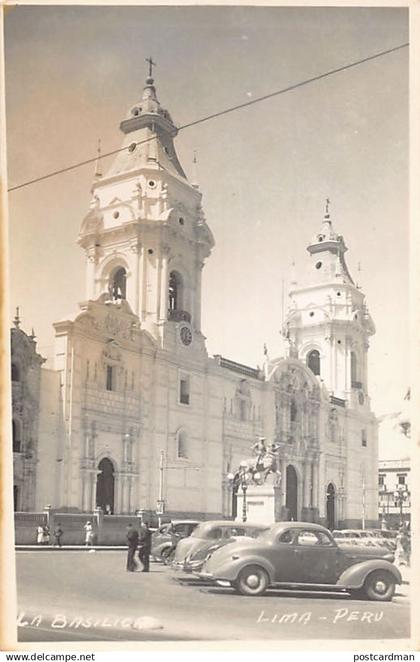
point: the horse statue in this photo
(265, 462)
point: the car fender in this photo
(355, 575)
(255, 560)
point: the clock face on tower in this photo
(185, 335)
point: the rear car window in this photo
(215, 534)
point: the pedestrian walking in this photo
(40, 535)
(45, 534)
(89, 534)
(145, 544)
(132, 542)
(58, 532)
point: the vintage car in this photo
(301, 555)
(166, 538)
(192, 552)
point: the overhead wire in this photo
(220, 113)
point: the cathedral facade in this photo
(140, 415)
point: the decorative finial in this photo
(16, 321)
(195, 170)
(327, 208)
(98, 173)
(32, 336)
(151, 65)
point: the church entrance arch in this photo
(292, 492)
(105, 485)
(331, 507)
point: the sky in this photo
(265, 171)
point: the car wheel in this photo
(252, 580)
(167, 555)
(380, 585)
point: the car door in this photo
(315, 557)
(281, 554)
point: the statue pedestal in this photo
(263, 504)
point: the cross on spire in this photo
(327, 206)
(151, 65)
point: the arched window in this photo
(175, 291)
(118, 284)
(313, 361)
(15, 373)
(353, 367)
(17, 439)
(293, 410)
(182, 445)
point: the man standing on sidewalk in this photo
(145, 546)
(58, 532)
(132, 542)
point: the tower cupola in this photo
(327, 253)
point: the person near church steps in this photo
(89, 534)
(145, 544)
(57, 533)
(132, 542)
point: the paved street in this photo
(77, 595)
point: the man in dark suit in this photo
(132, 542)
(145, 545)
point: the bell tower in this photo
(145, 236)
(328, 323)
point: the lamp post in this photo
(164, 467)
(400, 496)
(242, 478)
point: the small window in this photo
(118, 284)
(215, 534)
(310, 538)
(313, 361)
(15, 373)
(381, 480)
(293, 410)
(182, 450)
(17, 441)
(401, 479)
(184, 391)
(306, 538)
(364, 438)
(243, 410)
(236, 532)
(286, 537)
(175, 291)
(110, 386)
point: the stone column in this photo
(283, 485)
(117, 494)
(129, 494)
(307, 485)
(315, 483)
(164, 284)
(92, 490)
